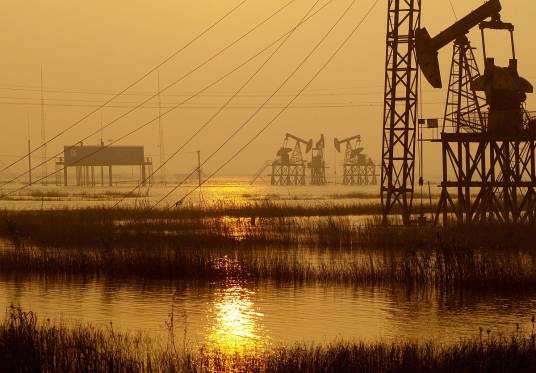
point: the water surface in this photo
(236, 315)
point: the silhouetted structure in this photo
(464, 111)
(318, 164)
(85, 158)
(489, 165)
(358, 168)
(289, 166)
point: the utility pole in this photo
(43, 134)
(161, 136)
(199, 169)
(102, 145)
(29, 154)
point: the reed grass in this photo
(317, 249)
(443, 267)
(260, 209)
(105, 226)
(28, 345)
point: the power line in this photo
(236, 93)
(453, 10)
(146, 93)
(279, 10)
(173, 55)
(246, 95)
(282, 110)
(174, 107)
(305, 105)
(321, 92)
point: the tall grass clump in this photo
(29, 346)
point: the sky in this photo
(88, 50)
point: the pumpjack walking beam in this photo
(400, 108)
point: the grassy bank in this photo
(27, 345)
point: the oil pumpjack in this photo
(488, 158)
(289, 166)
(358, 169)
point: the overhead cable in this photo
(281, 111)
(322, 68)
(270, 45)
(236, 93)
(172, 56)
(210, 59)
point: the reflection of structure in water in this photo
(85, 158)
(318, 164)
(358, 168)
(289, 166)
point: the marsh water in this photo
(236, 314)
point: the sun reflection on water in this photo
(235, 322)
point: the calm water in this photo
(235, 315)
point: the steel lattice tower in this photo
(400, 107)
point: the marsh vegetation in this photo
(28, 344)
(192, 244)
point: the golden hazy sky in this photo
(100, 46)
